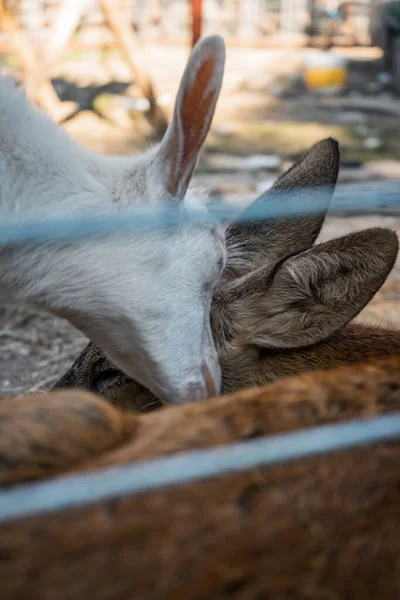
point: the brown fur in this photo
(325, 527)
(51, 432)
(93, 371)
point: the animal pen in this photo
(73, 536)
(80, 525)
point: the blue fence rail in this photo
(80, 490)
(22, 229)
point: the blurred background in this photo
(296, 71)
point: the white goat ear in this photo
(193, 113)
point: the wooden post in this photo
(124, 36)
(248, 15)
(37, 68)
(197, 20)
(37, 83)
(32, 16)
(67, 22)
(288, 25)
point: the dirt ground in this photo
(263, 110)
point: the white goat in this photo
(144, 299)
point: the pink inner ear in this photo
(194, 116)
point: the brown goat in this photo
(283, 305)
(321, 528)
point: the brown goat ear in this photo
(311, 182)
(315, 293)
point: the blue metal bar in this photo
(20, 229)
(85, 489)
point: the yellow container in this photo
(325, 72)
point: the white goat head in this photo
(145, 299)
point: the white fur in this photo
(144, 299)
